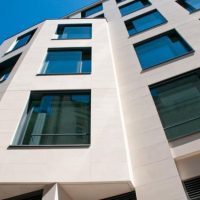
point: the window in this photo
(178, 105)
(92, 10)
(192, 187)
(144, 22)
(160, 49)
(6, 67)
(74, 31)
(133, 6)
(68, 61)
(100, 16)
(119, 1)
(37, 195)
(22, 40)
(56, 118)
(190, 5)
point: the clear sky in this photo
(17, 15)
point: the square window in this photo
(133, 6)
(68, 61)
(56, 118)
(144, 22)
(190, 5)
(160, 49)
(74, 31)
(178, 104)
(6, 67)
(22, 41)
(91, 11)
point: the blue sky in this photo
(17, 15)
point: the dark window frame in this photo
(168, 81)
(13, 61)
(125, 5)
(84, 12)
(88, 52)
(31, 33)
(190, 52)
(182, 3)
(142, 15)
(62, 26)
(28, 196)
(20, 129)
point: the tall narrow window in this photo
(144, 22)
(68, 61)
(22, 41)
(160, 49)
(190, 5)
(133, 6)
(74, 31)
(91, 11)
(178, 105)
(6, 67)
(56, 118)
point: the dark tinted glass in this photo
(92, 10)
(119, 1)
(190, 5)
(71, 61)
(6, 67)
(23, 40)
(133, 6)
(74, 31)
(144, 22)
(161, 49)
(178, 104)
(57, 119)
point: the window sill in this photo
(88, 73)
(10, 147)
(169, 61)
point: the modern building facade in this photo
(103, 104)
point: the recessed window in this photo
(74, 31)
(37, 195)
(190, 5)
(68, 61)
(119, 1)
(92, 10)
(6, 67)
(56, 118)
(100, 16)
(192, 187)
(162, 48)
(144, 22)
(133, 6)
(178, 105)
(21, 41)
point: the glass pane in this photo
(145, 22)
(63, 62)
(193, 5)
(178, 104)
(76, 32)
(22, 41)
(92, 10)
(58, 119)
(133, 6)
(6, 67)
(161, 49)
